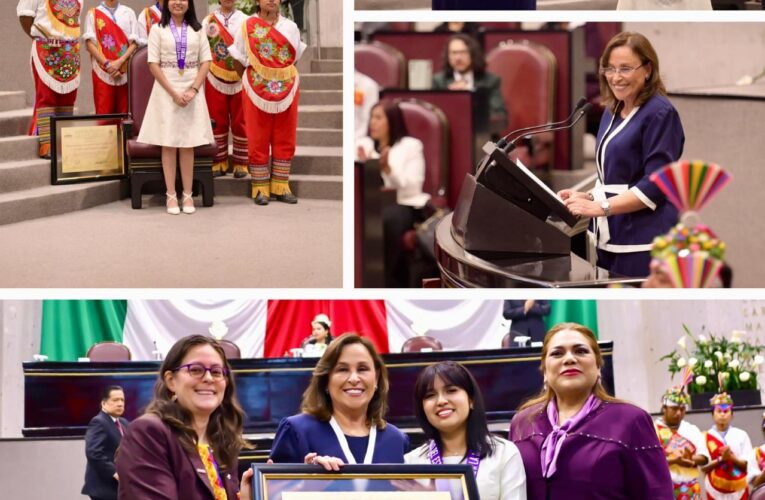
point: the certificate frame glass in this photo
(104, 138)
(361, 482)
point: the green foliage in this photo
(709, 356)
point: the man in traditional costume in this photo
(224, 89)
(756, 462)
(146, 19)
(111, 35)
(683, 445)
(729, 447)
(266, 48)
(54, 25)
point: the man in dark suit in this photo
(527, 317)
(105, 432)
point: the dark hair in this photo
(477, 61)
(478, 437)
(316, 399)
(396, 124)
(546, 394)
(257, 5)
(190, 17)
(647, 55)
(106, 393)
(224, 429)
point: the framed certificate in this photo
(87, 148)
(364, 482)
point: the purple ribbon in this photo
(434, 454)
(553, 442)
(181, 43)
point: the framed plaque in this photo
(364, 482)
(87, 148)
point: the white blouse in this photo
(501, 476)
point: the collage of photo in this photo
(464, 250)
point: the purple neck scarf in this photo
(181, 43)
(553, 442)
(434, 454)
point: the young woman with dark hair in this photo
(402, 167)
(450, 410)
(177, 117)
(193, 423)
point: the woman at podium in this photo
(342, 412)
(639, 133)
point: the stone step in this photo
(15, 122)
(319, 137)
(315, 187)
(321, 81)
(54, 200)
(329, 53)
(18, 147)
(320, 116)
(312, 97)
(14, 99)
(24, 174)
(327, 66)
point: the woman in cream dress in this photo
(176, 116)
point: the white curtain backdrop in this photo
(165, 321)
(458, 324)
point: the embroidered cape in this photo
(726, 478)
(271, 80)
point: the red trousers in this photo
(109, 99)
(48, 103)
(270, 135)
(227, 112)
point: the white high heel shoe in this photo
(188, 210)
(172, 210)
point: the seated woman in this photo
(402, 167)
(342, 419)
(450, 411)
(320, 336)
(192, 425)
(577, 441)
(465, 69)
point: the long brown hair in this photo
(316, 400)
(224, 430)
(647, 55)
(546, 394)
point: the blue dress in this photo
(484, 4)
(628, 151)
(302, 434)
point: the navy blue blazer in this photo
(101, 441)
(628, 152)
(484, 4)
(299, 435)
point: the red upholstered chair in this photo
(420, 343)
(109, 351)
(507, 340)
(758, 493)
(145, 160)
(231, 349)
(382, 63)
(428, 123)
(527, 71)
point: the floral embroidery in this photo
(108, 42)
(60, 62)
(100, 24)
(283, 54)
(220, 49)
(275, 86)
(66, 11)
(267, 49)
(213, 30)
(260, 31)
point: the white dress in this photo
(500, 476)
(165, 123)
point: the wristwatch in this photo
(606, 206)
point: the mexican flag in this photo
(270, 328)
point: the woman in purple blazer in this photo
(639, 133)
(186, 444)
(579, 443)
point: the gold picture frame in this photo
(87, 148)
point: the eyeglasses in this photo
(624, 71)
(197, 370)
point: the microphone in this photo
(504, 140)
(579, 114)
